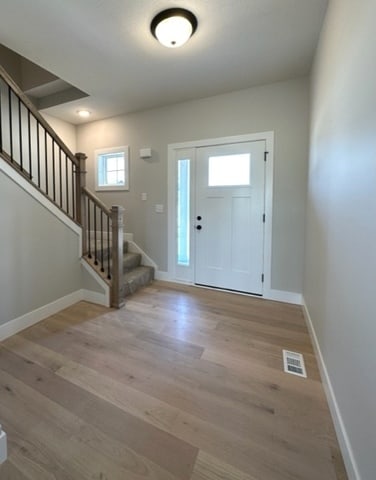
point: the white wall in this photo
(340, 261)
(66, 131)
(38, 256)
(281, 107)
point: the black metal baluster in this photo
(102, 268)
(73, 185)
(38, 152)
(53, 170)
(60, 180)
(66, 184)
(46, 160)
(10, 123)
(95, 236)
(29, 142)
(88, 228)
(109, 251)
(20, 132)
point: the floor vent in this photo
(294, 363)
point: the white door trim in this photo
(269, 142)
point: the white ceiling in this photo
(105, 48)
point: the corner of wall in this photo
(343, 439)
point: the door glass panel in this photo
(229, 170)
(183, 212)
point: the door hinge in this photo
(262, 278)
(266, 156)
(263, 217)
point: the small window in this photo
(183, 213)
(112, 169)
(230, 170)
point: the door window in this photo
(229, 170)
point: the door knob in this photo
(199, 217)
(198, 227)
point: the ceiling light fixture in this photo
(173, 27)
(83, 113)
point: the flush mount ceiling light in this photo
(173, 27)
(83, 113)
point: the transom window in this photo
(112, 168)
(230, 170)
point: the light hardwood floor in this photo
(181, 384)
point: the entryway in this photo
(220, 194)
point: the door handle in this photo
(198, 227)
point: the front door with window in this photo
(228, 221)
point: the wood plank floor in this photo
(181, 384)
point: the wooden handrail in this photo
(96, 200)
(29, 105)
(61, 177)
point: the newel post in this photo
(80, 198)
(117, 290)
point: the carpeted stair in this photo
(136, 275)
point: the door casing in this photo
(186, 275)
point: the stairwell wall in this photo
(38, 257)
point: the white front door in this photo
(229, 209)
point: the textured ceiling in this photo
(105, 48)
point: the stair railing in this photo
(33, 149)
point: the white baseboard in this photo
(95, 297)
(164, 276)
(343, 439)
(282, 296)
(16, 325)
(277, 295)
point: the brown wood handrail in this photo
(30, 106)
(96, 200)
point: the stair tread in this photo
(136, 272)
(137, 278)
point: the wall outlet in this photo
(159, 208)
(144, 196)
(3, 445)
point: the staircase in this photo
(135, 274)
(32, 148)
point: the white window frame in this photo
(103, 151)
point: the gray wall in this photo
(38, 256)
(281, 107)
(66, 131)
(340, 261)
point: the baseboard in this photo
(16, 325)
(95, 297)
(164, 276)
(282, 296)
(343, 439)
(277, 295)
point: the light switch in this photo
(159, 208)
(144, 196)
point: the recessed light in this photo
(83, 113)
